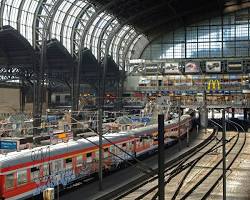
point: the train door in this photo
(78, 164)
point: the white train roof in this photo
(40, 153)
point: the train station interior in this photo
(128, 99)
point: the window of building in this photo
(58, 99)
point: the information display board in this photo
(213, 66)
(171, 68)
(192, 67)
(234, 66)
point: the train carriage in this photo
(28, 172)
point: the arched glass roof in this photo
(66, 20)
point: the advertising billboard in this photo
(213, 66)
(192, 67)
(170, 68)
(234, 66)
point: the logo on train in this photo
(214, 85)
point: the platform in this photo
(238, 181)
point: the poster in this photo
(234, 66)
(213, 66)
(171, 68)
(192, 67)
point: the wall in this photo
(9, 100)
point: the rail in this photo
(137, 183)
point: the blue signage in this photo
(8, 145)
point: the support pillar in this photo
(245, 113)
(161, 185)
(233, 112)
(224, 153)
(22, 99)
(203, 117)
(212, 113)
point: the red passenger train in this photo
(28, 172)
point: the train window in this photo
(57, 165)
(89, 157)
(46, 169)
(34, 173)
(88, 154)
(79, 161)
(21, 177)
(9, 181)
(68, 162)
(106, 153)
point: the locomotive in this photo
(29, 172)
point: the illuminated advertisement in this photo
(234, 66)
(192, 67)
(213, 85)
(213, 66)
(171, 68)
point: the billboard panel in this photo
(169, 68)
(192, 67)
(234, 66)
(213, 66)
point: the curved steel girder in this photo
(120, 42)
(65, 18)
(125, 52)
(101, 37)
(117, 29)
(74, 28)
(51, 18)
(91, 20)
(116, 38)
(95, 28)
(36, 29)
(128, 44)
(19, 14)
(1, 12)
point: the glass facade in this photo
(67, 21)
(226, 36)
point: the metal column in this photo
(22, 98)
(224, 152)
(161, 187)
(233, 112)
(100, 115)
(179, 121)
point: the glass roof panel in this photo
(27, 18)
(10, 12)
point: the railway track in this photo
(193, 171)
(172, 164)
